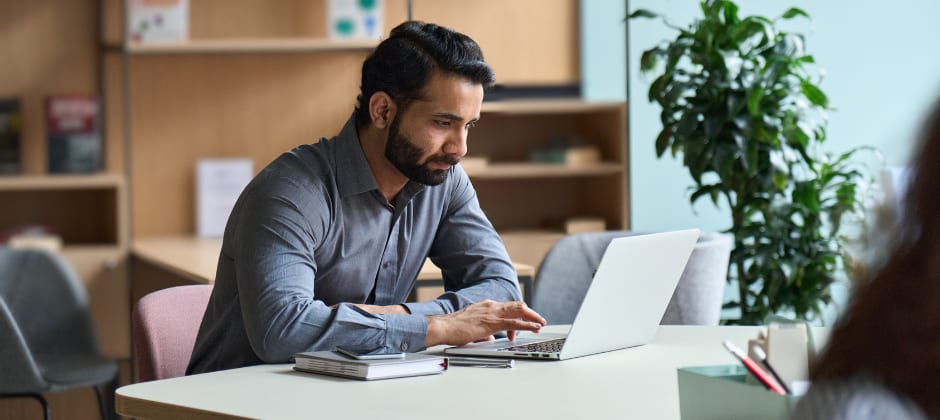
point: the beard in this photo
(406, 157)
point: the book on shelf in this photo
(157, 21)
(569, 151)
(73, 133)
(334, 364)
(584, 224)
(11, 125)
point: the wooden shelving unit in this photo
(259, 90)
(529, 202)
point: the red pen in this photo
(755, 370)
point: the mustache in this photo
(446, 159)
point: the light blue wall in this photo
(882, 74)
(603, 49)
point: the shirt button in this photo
(386, 264)
(403, 347)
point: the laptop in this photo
(623, 305)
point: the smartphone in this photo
(369, 356)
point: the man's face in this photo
(430, 136)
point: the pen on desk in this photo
(480, 362)
(762, 358)
(755, 370)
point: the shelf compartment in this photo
(81, 209)
(545, 204)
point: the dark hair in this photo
(401, 65)
(891, 329)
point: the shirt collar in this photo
(353, 173)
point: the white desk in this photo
(637, 383)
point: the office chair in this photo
(566, 272)
(165, 326)
(47, 342)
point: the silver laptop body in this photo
(622, 308)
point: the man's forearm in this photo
(387, 309)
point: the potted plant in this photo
(742, 106)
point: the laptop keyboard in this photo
(550, 346)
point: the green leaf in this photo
(805, 59)
(731, 13)
(656, 89)
(662, 142)
(780, 180)
(814, 95)
(643, 13)
(805, 194)
(712, 190)
(753, 102)
(687, 125)
(846, 194)
(794, 12)
(648, 60)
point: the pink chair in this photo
(165, 327)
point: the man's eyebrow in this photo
(453, 117)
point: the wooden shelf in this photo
(541, 170)
(548, 106)
(60, 182)
(251, 45)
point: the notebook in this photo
(622, 307)
(333, 364)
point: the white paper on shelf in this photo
(355, 19)
(219, 182)
(157, 20)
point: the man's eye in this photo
(471, 125)
(442, 123)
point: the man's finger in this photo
(519, 309)
(521, 325)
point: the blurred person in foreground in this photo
(882, 360)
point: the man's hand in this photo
(481, 320)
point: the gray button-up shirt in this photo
(312, 230)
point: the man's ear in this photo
(382, 110)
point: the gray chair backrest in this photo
(568, 268)
(17, 368)
(44, 309)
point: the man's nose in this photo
(457, 144)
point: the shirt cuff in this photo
(424, 308)
(406, 333)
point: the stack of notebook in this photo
(333, 364)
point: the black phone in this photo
(369, 356)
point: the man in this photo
(324, 245)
